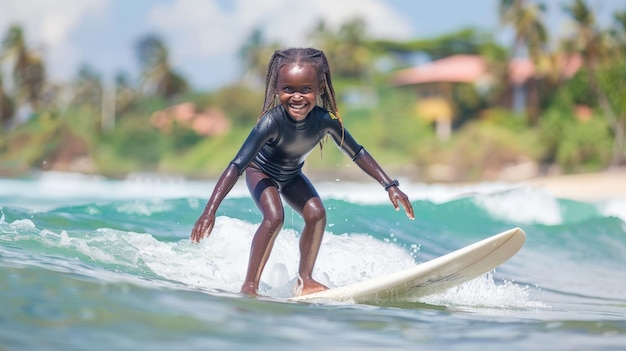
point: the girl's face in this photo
(298, 86)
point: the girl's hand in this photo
(203, 227)
(396, 195)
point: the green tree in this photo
(255, 54)
(596, 48)
(464, 41)
(125, 93)
(87, 88)
(29, 74)
(346, 48)
(530, 39)
(6, 107)
(530, 31)
(158, 77)
(618, 33)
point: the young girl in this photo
(290, 126)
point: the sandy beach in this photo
(585, 187)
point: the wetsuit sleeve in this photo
(345, 141)
(264, 131)
(359, 155)
(363, 159)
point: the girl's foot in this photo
(249, 289)
(308, 286)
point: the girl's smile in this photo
(298, 86)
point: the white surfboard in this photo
(429, 277)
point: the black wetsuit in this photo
(278, 144)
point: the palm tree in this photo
(612, 82)
(618, 36)
(87, 88)
(158, 77)
(29, 74)
(255, 54)
(125, 94)
(530, 39)
(594, 47)
(346, 48)
(353, 55)
(588, 40)
(530, 32)
(6, 107)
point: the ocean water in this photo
(88, 263)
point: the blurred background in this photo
(441, 91)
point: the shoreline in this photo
(588, 187)
(599, 186)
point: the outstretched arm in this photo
(263, 131)
(204, 224)
(367, 163)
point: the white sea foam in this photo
(51, 189)
(63, 188)
(371, 192)
(144, 208)
(485, 292)
(616, 208)
(522, 205)
(220, 261)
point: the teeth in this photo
(297, 107)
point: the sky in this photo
(204, 36)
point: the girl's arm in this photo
(204, 224)
(367, 163)
(259, 135)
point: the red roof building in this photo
(434, 82)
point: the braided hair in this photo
(318, 61)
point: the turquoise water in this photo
(93, 264)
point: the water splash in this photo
(484, 292)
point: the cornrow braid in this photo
(271, 80)
(311, 56)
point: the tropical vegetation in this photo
(566, 125)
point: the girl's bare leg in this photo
(266, 196)
(303, 198)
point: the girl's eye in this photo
(303, 90)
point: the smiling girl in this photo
(290, 126)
